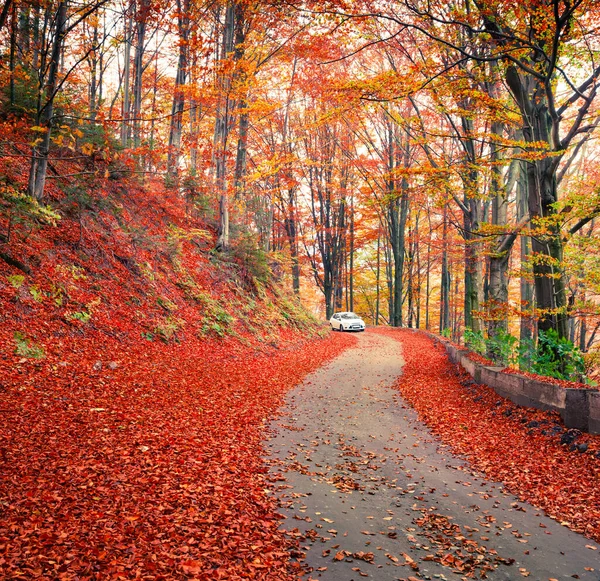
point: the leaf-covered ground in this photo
(145, 462)
(517, 446)
(137, 367)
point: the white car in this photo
(346, 322)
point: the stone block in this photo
(544, 396)
(594, 411)
(577, 409)
(468, 365)
(489, 375)
(510, 383)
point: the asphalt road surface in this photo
(370, 493)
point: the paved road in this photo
(371, 494)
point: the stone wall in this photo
(579, 408)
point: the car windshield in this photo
(350, 316)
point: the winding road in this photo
(370, 493)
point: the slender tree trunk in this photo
(93, 89)
(183, 24)
(138, 69)
(445, 277)
(292, 236)
(378, 276)
(351, 273)
(125, 129)
(39, 159)
(223, 122)
(13, 49)
(153, 109)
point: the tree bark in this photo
(174, 152)
(39, 159)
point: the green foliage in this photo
(557, 357)
(25, 347)
(552, 356)
(293, 313)
(475, 341)
(82, 316)
(447, 332)
(16, 280)
(215, 318)
(37, 294)
(167, 329)
(500, 348)
(252, 260)
(19, 208)
(197, 201)
(166, 304)
(25, 89)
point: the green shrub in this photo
(25, 347)
(557, 357)
(16, 280)
(475, 341)
(501, 347)
(80, 316)
(252, 261)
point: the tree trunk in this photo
(445, 277)
(233, 13)
(378, 276)
(183, 25)
(138, 68)
(39, 159)
(547, 245)
(497, 300)
(526, 288)
(125, 129)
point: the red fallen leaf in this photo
(497, 441)
(191, 567)
(410, 561)
(340, 556)
(368, 557)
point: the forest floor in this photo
(146, 463)
(370, 491)
(123, 459)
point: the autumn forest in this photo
(187, 186)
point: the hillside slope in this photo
(137, 369)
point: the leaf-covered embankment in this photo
(520, 447)
(147, 463)
(137, 368)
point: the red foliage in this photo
(500, 439)
(151, 468)
(124, 457)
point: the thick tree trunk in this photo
(526, 288)
(497, 300)
(547, 245)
